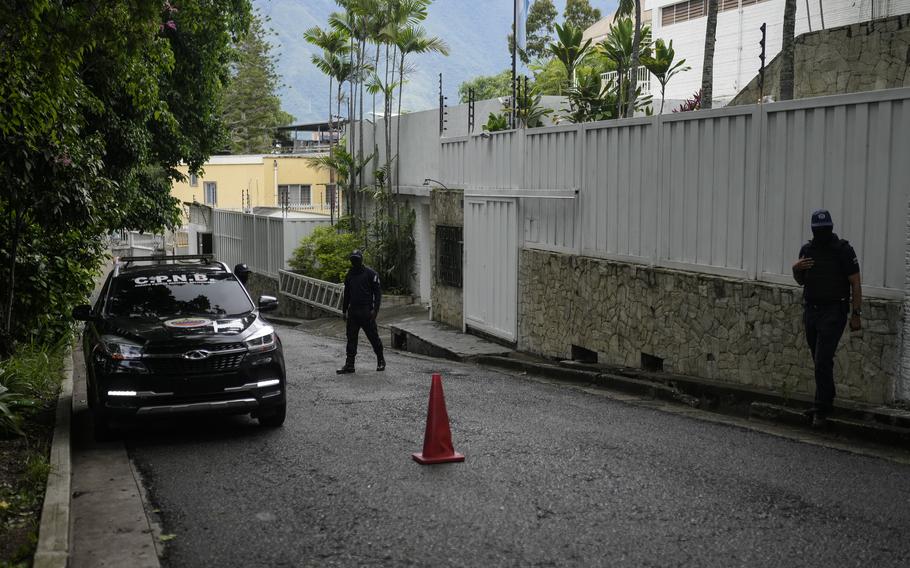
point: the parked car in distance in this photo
(180, 334)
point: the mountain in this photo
(475, 31)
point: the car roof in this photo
(168, 265)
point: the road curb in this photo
(857, 422)
(54, 532)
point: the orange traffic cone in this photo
(437, 441)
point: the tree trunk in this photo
(633, 65)
(663, 97)
(6, 333)
(786, 57)
(707, 72)
(619, 76)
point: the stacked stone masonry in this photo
(860, 57)
(743, 332)
(447, 304)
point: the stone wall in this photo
(729, 330)
(860, 57)
(447, 302)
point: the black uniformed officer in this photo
(829, 273)
(362, 297)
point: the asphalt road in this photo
(554, 476)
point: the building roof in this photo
(310, 126)
(599, 30)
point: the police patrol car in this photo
(180, 334)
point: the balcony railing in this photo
(643, 80)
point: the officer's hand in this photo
(372, 314)
(803, 264)
(856, 323)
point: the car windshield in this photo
(166, 295)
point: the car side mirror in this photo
(83, 313)
(268, 303)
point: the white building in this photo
(737, 47)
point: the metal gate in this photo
(491, 266)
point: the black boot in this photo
(348, 366)
(380, 363)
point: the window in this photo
(194, 180)
(448, 255)
(693, 9)
(210, 189)
(294, 195)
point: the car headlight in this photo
(261, 341)
(120, 349)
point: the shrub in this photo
(29, 378)
(324, 254)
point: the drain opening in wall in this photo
(583, 355)
(651, 363)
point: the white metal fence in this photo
(726, 191)
(265, 244)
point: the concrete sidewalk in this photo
(408, 328)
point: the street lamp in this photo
(427, 181)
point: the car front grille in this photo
(215, 362)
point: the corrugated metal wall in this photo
(265, 244)
(726, 191)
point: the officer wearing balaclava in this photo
(828, 271)
(360, 304)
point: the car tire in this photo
(274, 418)
(101, 426)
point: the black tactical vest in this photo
(826, 282)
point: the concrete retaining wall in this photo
(746, 333)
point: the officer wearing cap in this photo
(360, 304)
(828, 271)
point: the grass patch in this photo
(29, 384)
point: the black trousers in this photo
(359, 318)
(824, 327)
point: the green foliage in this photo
(580, 14)
(570, 48)
(391, 249)
(251, 109)
(618, 48)
(487, 87)
(496, 122)
(29, 379)
(530, 112)
(99, 104)
(550, 77)
(590, 99)
(540, 27)
(324, 254)
(662, 65)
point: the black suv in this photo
(178, 334)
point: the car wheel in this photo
(274, 418)
(102, 427)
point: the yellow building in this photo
(262, 180)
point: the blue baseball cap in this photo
(356, 254)
(821, 218)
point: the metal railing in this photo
(643, 80)
(318, 293)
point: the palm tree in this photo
(569, 49)
(412, 39)
(334, 46)
(618, 48)
(662, 66)
(633, 63)
(786, 57)
(707, 72)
